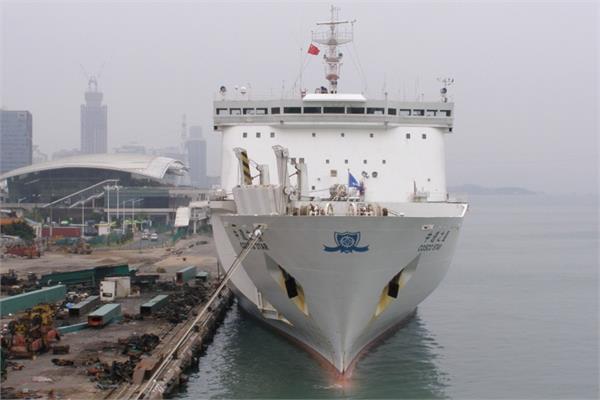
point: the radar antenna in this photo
(332, 37)
(444, 90)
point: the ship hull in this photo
(333, 291)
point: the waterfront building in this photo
(16, 148)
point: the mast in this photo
(332, 37)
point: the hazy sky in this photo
(526, 88)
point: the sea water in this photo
(516, 317)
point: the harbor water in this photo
(516, 317)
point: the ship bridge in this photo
(333, 109)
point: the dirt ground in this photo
(184, 252)
(72, 383)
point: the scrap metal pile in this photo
(108, 376)
(181, 303)
(31, 333)
(11, 284)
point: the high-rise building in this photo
(93, 121)
(16, 140)
(196, 156)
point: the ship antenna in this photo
(332, 38)
(446, 82)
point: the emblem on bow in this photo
(347, 242)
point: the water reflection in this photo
(248, 360)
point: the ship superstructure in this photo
(350, 196)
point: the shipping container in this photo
(104, 315)
(85, 306)
(202, 276)
(186, 274)
(115, 287)
(154, 305)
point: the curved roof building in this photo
(48, 181)
(142, 165)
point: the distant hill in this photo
(480, 190)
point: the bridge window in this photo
(424, 136)
(221, 111)
(418, 113)
(312, 110)
(275, 110)
(444, 113)
(301, 160)
(405, 112)
(261, 111)
(333, 173)
(272, 134)
(258, 134)
(249, 111)
(292, 110)
(431, 113)
(245, 134)
(327, 161)
(383, 161)
(333, 110)
(314, 134)
(371, 135)
(364, 161)
(345, 161)
(293, 160)
(374, 174)
(408, 135)
(342, 134)
(375, 110)
(355, 110)
(391, 111)
(235, 111)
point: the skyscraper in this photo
(15, 140)
(93, 121)
(196, 155)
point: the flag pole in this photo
(301, 69)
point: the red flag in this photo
(314, 50)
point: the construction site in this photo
(117, 322)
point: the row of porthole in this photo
(346, 161)
(258, 135)
(301, 161)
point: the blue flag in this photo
(352, 182)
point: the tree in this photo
(20, 229)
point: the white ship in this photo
(343, 201)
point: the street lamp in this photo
(133, 201)
(82, 216)
(133, 211)
(107, 188)
(117, 188)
